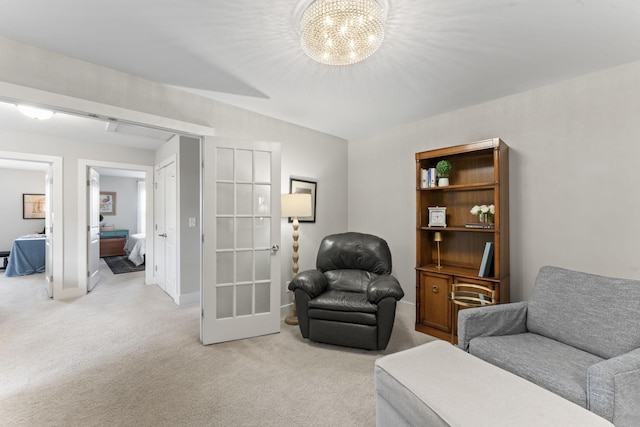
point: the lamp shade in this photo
(296, 205)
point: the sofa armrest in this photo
(613, 389)
(382, 287)
(501, 319)
(313, 282)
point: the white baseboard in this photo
(285, 310)
(186, 299)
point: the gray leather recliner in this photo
(350, 299)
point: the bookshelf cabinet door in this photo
(434, 296)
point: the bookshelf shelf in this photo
(479, 176)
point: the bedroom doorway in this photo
(49, 253)
(112, 204)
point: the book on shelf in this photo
(486, 267)
(485, 225)
(431, 173)
(428, 177)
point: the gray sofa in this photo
(577, 336)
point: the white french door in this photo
(241, 265)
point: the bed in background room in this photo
(135, 248)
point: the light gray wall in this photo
(574, 152)
(126, 190)
(189, 207)
(305, 152)
(15, 183)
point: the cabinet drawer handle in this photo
(435, 289)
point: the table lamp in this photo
(437, 237)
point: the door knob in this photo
(163, 235)
(275, 248)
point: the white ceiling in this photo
(437, 56)
(89, 130)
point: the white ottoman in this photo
(437, 384)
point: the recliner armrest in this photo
(382, 287)
(313, 282)
(613, 389)
(501, 319)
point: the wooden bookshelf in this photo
(479, 177)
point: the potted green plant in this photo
(443, 167)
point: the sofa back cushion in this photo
(596, 314)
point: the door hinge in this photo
(88, 274)
(202, 313)
(156, 267)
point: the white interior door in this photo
(93, 234)
(159, 237)
(48, 229)
(241, 266)
(165, 236)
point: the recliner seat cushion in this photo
(343, 316)
(550, 364)
(343, 301)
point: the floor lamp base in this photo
(291, 319)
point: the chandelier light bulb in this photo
(342, 32)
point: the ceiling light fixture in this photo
(35, 113)
(341, 32)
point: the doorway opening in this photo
(30, 237)
(116, 218)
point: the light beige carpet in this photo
(126, 355)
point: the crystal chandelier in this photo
(341, 32)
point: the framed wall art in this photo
(304, 186)
(33, 206)
(107, 202)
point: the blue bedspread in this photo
(27, 257)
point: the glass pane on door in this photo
(263, 166)
(243, 233)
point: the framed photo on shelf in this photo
(437, 216)
(304, 186)
(107, 203)
(33, 206)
